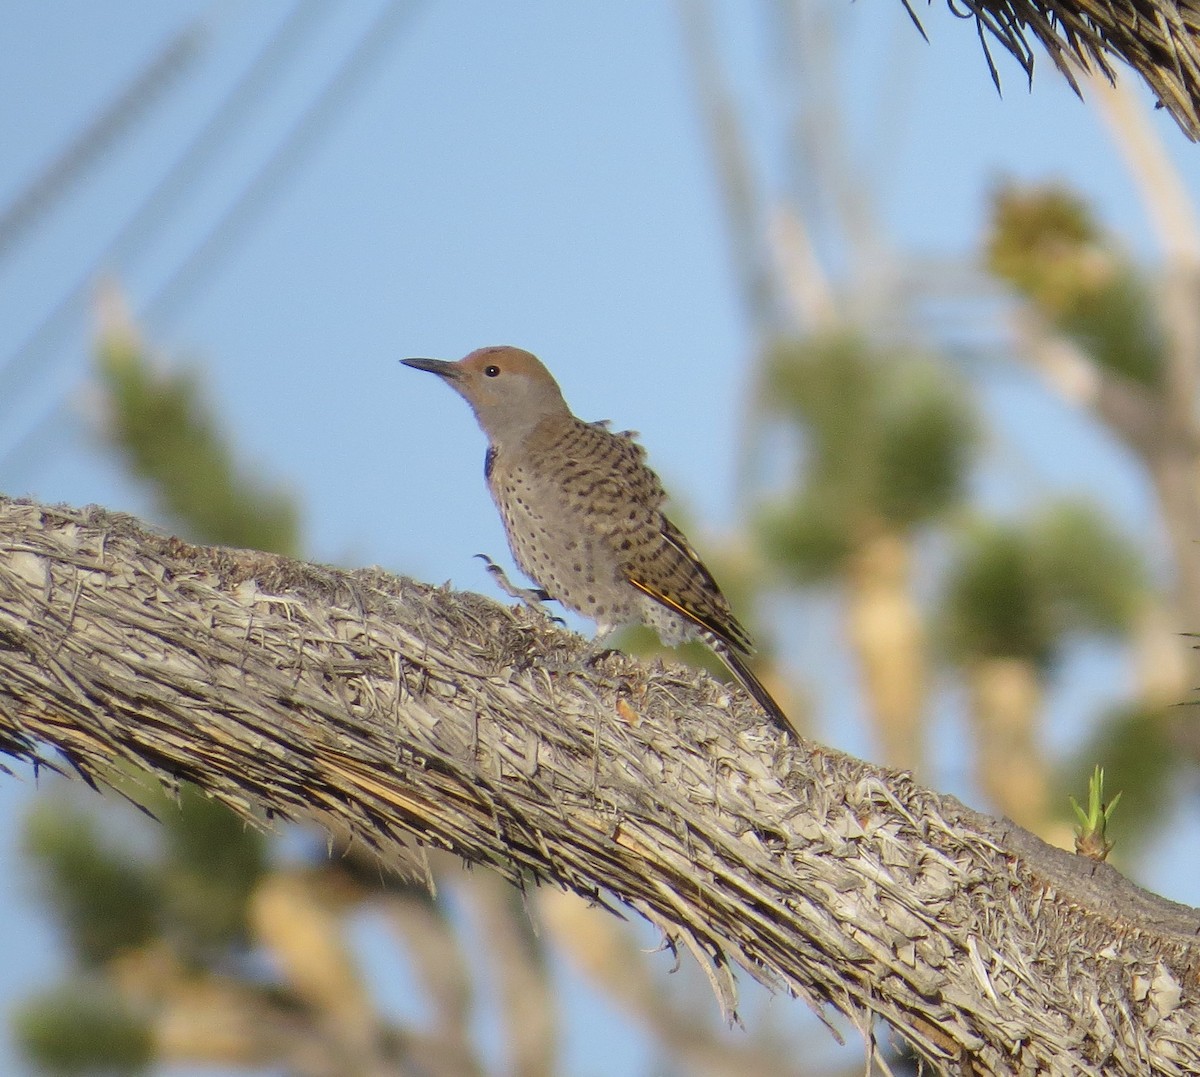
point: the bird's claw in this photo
(594, 656)
(532, 597)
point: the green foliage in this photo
(926, 439)
(1133, 745)
(162, 425)
(995, 605)
(1046, 244)
(187, 875)
(213, 859)
(828, 386)
(184, 881)
(1018, 590)
(809, 535)
(888, 443)
(1116, 325)
(1091, 831)
(1093, 575)
(106, 897)
(83, 1028)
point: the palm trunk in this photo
(1006, 702)
(888, 636)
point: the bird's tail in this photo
(737, 666)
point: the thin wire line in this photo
(239, 218)
(52, 183)
(235, 223)
(139, 228)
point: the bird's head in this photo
(508, 389)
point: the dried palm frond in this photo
(1159, 39)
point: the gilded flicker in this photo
(584, 514)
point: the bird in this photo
(583, 513)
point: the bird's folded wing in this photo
(689, 589)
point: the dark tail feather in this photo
(755, 687)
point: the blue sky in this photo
(533, 173)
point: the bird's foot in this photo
(596, 653)
(532, 597)
(591, 663)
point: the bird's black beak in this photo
(439, 367)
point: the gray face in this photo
(508, 389)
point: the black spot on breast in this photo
(489, 462)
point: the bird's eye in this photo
(491, 371)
